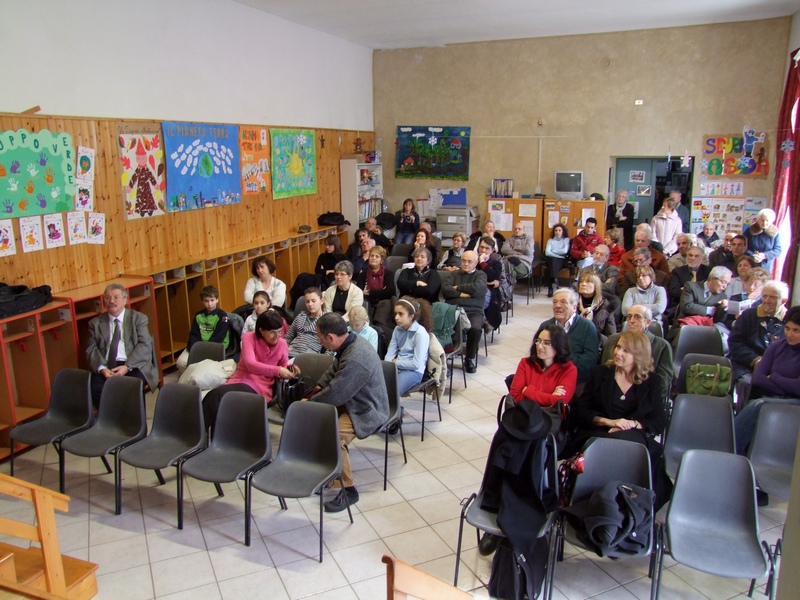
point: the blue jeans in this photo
(404, 238)
(744, 425)
(407, 379)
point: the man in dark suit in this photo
(641, 257)
(706, 299)
(119, 343)
(607, 273)
(583, 339)
(694, 270)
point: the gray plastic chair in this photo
(395, 419)
(773, 447)
(698, 423)
(309, 457)
(177, 433)
(692, 338)
(69, 412)
(700, 359)
(311, 364)
(401, 250)
(605, 459)
(395, 264)
(206, 350)
(241, 445)
(121, 421)
(712, 523)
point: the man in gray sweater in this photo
(355, 386)
(467, 289)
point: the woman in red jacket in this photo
(547, 375)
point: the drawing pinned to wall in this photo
(255, 153)
(432, 152)
(85, 167)
(8, 246)
(728, 214)
(141, 153)
(54, 234)
(202, 165)
(722, 187)
(37, 172)
(736, 155)
(84, 195)
(294, 162)
(30, 232)
(637, 176)
(96, 233)
(76, 227)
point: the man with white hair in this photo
(684, 241)
(643, 238)
(583, 339)
(518, 252)
(756, 328)
(607, 273)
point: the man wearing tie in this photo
(107, 356)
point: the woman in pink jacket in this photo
(666, 227)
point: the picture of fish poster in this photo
(54, 234)
(8, 246)
(30, 232)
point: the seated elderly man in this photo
(639, 319)
(643, 238)
(641, 257)
(583, 338)
(467, 289)
(684, 241)
(693, 271)
(607, 273)
(518, 253)
(376, 234)
(756, 328)
(705, 300)
(733, 247)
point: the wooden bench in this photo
(41, 571)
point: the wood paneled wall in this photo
(137, 244)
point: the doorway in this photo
(649, 181)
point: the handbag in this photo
(708, 380)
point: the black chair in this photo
(394, 423)
(698, 423)
(712, 523)
(458, 350)
(178, 432)
(299, 306)
(312, 365)
(656, 329)
(70, 411)
(427, 386)
(235, 339)
(309, 457)
(695, 337)
(240, 446)
(772, 450)
(605, 459)
(206, 350)
(121, 421)
(700, 359)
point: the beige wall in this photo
(693, 80)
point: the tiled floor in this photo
(142, 555)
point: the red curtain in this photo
(787, 168)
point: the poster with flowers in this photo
(141, 154)
(294, 162)
(432, 152)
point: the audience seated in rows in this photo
(437, 243)
(451, 258)
(344, 293)
(693, 271)
(490, 262)
(408, 348)
(378, 283)
(556, 253)
(703, 303)
(547, 374)
(709, 235)
(376, 233)
(408, 222)
(583, 338)
(733, 247)
(302, 334)
(488, 229)
(684, 242)
(613, 240)
(424, 239)
(359, 323)
(263, 279)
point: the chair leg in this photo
(282, 502)
(180, 494)
(161, 480)
(422, 433)
(61, 475)
(105, 462)
(460, 534)
(11, 459)
(450, 366)
(435, 394)
(402, 438)
(321, 513)
(220, 493)
(248, 499)
(657, 582)
(385, 458)
(117, 483)
(552, 553)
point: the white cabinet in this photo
(361, 177)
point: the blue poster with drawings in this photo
(202, 165)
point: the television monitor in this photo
(569, 185)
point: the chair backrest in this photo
(775, 443)
(694, 337)
(206, 350)
(694, 358)
(235, 341)
(390, 376)
(300, 305)
(403, 580)
(70, 396)
(179, 413)
(242, 424)
(698, 423)
(656, 329)
(608, 459)
(311, 434)
(401, 250)
(537, 254)
(313, 364)
(122, 405)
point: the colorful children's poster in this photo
(432, 152)
(752, 206)
(735, 154)
(54, 234)
(30, 232)
(294, 162)
(76, 227)
(8, 246)
(37, 172)
(202, 165)
(85, 171)
(722, 187)
(141, 154)
(96, 233)
(254, 152)
(84, 195)
(726, 213)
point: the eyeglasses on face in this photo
(545, 343)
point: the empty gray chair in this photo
(395, 421)
(240, 446)
(395, 264)
(206, 350)
(309, 457)
(70, 411)
(401, 250)
(700, 359)
(120, 422)
(312, 365)
(773, 447)
(712, 523)
(698, 423)
(692, 338)
(177, 433)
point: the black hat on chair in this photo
(526, 420)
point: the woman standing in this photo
(263, 280)
(763, 239)
(410, 341)
(620, 215)
(667, 226)
(407, 223)
(547, 375)
(555, 255)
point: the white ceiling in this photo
(390, 24)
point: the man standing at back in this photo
(119, 343)
(356, 387)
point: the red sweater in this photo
(584, 243)
(615, 255)
(539, 385)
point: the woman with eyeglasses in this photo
(547, 375)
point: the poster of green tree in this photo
(432, 152)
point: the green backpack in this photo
(708, 380)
